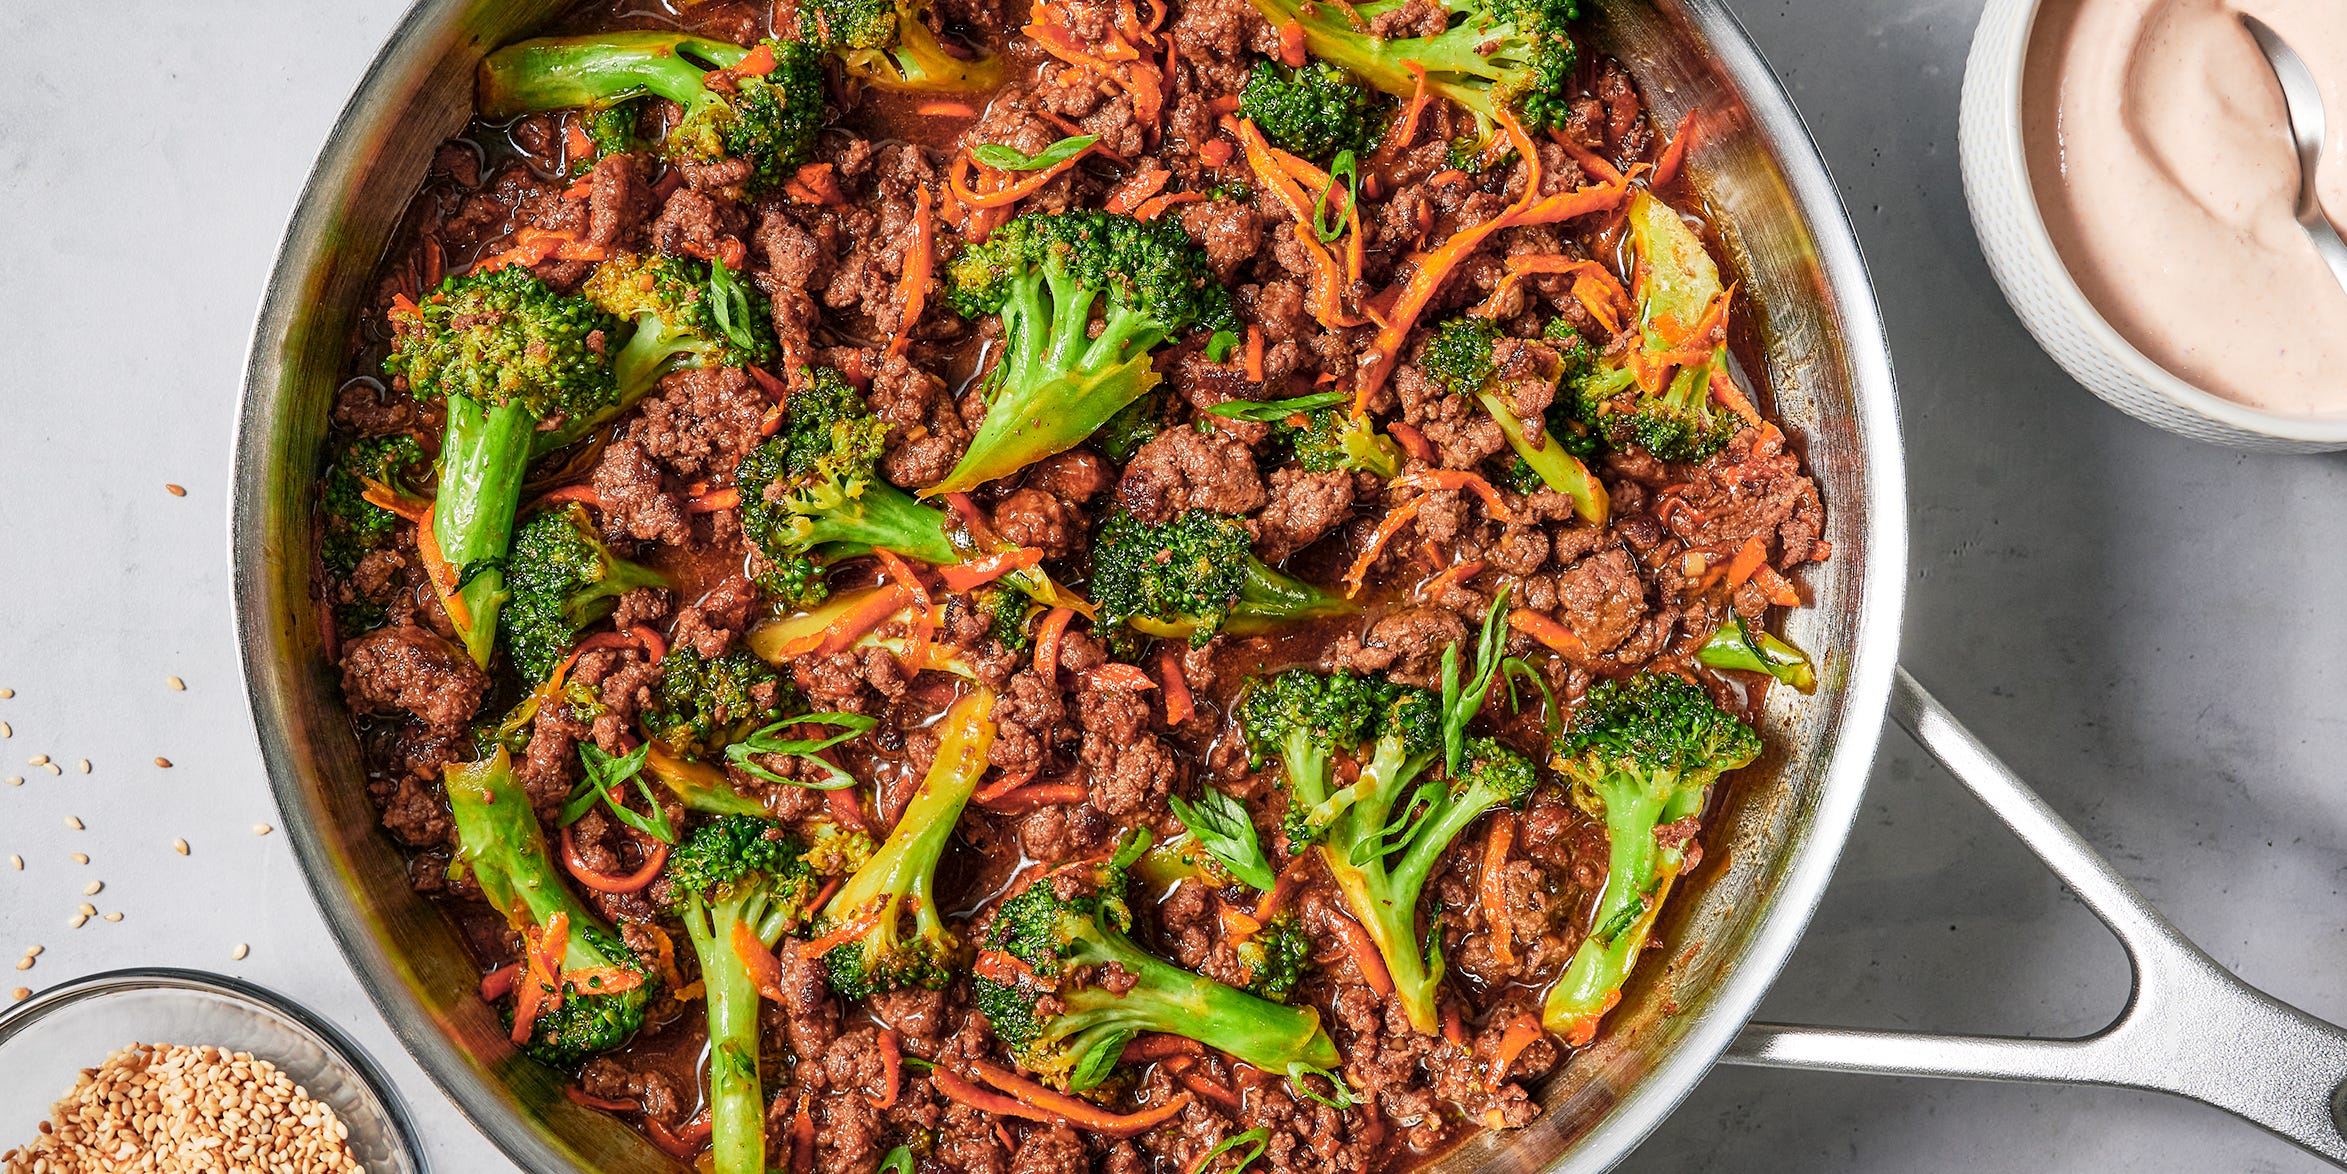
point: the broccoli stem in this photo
(1639, 873)
(885, 516)
(558, 73)
(698, 785)
(1736, 647)
(1558, 469)
(483, 459)
(1266, 601)
(1170, 999)
(737, 1101)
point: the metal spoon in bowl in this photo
(2304, 100)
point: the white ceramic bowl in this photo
(2021, 254)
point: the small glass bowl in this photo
(48, 1039)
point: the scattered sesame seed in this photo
(16, 862)
(238, 954)
(77, 921)
(20, 994)
(175, 490)
(53, 768)
(6, 730)
(38, 760)
(85, 766)
(176, 684)
(81, 858)
(114, 916)
(88, 910)
(34, 951)
(25, 963)
(179, 846)
(74, 822)
(260, 829)
(16, 780)
(91, 889)
(163, 762)
(6, 693)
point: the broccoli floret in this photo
(686, 313)
(510, 360)
(1276, 958)
(737, 880)
(1381, 836)
(1006, 614)
(1493, 56)
(1333, 438)
(1463, 357)
(563, 578)
(1752, 650)
(500, 845)
(1641, 754)
(888, 44)
(811, 495)
(349, 526)
(1194, 576)
(700, 706)
(864, 925)
(1056, 381)
(1134, 425)
(1072, 1035)
(611, 130)
(765, 107)
(1315, 111)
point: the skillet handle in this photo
(2190, 1027)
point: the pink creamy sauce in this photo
(2160, 151)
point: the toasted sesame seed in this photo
(53, 768)
(20, 994)
(238, 954)
(25, 963)
(80, 858)
(181, 1109)
(176, 684)
(16, 862)
(74, 822)
(34, 951)
(38, 760)
(6, 693)
(6, 730)
(163, 762)
(85, 766)
(92, 889)
(115, 916)
(78, 920)
(16, 780)
(175, 490)
(88, 910)
(260, 829)
(179, 846)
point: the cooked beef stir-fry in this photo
(1141, 585)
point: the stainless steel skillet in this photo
(2190, 1028)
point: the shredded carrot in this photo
(916, 650)
(980, 571)
(1254, 361)
(1724, 389)
(1196, 1082)
(582, 493)
(403, 307)
(1520, 1035)
(604, 883)
(1749, 557)
(1605, 299)
(1291, 44)
(1179, 705)
(1412, 441)
(1494, 888)
(1119, 675)
(892, 1061)
(759, 63)
(580, 190)
(442, 575)
(1459, 479)
(919, 257)
(1395, 519)
(541, 980)
(1592, 163)
(1008, 969)
(1554, 635)
(1453, 1029)
(715, 500)
(1129, 194)
(1214, 152)
(678, 1145)
(576, 143)
(1364, 953)
(802, 1134)
(815, 183)
(1776, 588)
(1006, 196)
(1031, 796)
(1424, 282)
(602, 980)
(957, 1089)
(1674, 155)
(1081, 1113)
(1155, 206)
(1405, 128)
(865, 616)
(765, 970)
(580, 1096)
(1291, 878)
(1450, 576)
(412, 509)
(1047, 637)
(849, 930)
(655, 648)
(498, 983)
(1584, 1028)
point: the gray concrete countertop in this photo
(2140, 625)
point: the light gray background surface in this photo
(2137, 623)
